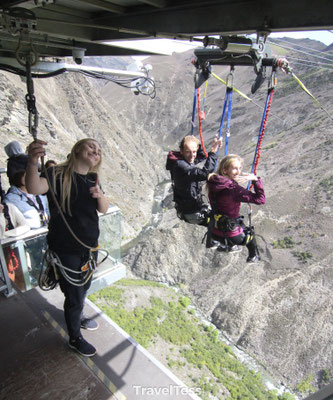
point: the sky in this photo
(168, 46)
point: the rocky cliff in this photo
(279, 310)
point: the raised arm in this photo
(34, 183)
(246, 196)
(97, 193)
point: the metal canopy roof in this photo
(61, 25)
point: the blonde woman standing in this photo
(76, 188)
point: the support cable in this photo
(227, 104)
(301, 51)
(200, 125)
(31, 102)
(257, 152)
(193, 110)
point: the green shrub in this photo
(185, 301)
(326, 376)
(193, 344)
(303, 256)
(285, 243)
(286, 396)
(305, 385)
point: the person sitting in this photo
(187, 178)
(226, 195)
(17, 160)
(12, 222)
(34, 208)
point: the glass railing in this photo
(24, 255)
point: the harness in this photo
(224, 224)
(49, 276)
(180, 203)
(39, 209)
(12, 260)
(9, 225)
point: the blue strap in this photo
(227, 102)
(194, 108)
(227, 133)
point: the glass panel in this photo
(35, 249)
(24, 257)
(24, 260)
(110, 234)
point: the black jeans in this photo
(239, 240)
(74, 295)
(199, 217)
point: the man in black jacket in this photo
(187, 178)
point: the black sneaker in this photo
(252, 260)
(234, 249)
(82, 347)
(89, 324)
(222, 247)
(214, 244)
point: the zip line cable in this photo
(300, 51)
(285, 67)
(314, 63)
(306, 48)
(317, 67)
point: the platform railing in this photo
(21, 257)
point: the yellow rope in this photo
(244, 95)
(236, 90)
(205, 93)
(308, 92)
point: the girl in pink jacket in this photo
(226, 195)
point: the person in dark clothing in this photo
(2, 192)
(75, 185)
(226, 195)
(17, 160)
(187, 178)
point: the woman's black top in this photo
(83, 219)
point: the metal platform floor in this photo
(36, 362)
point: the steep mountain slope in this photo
(281, 309)
(70, 109)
